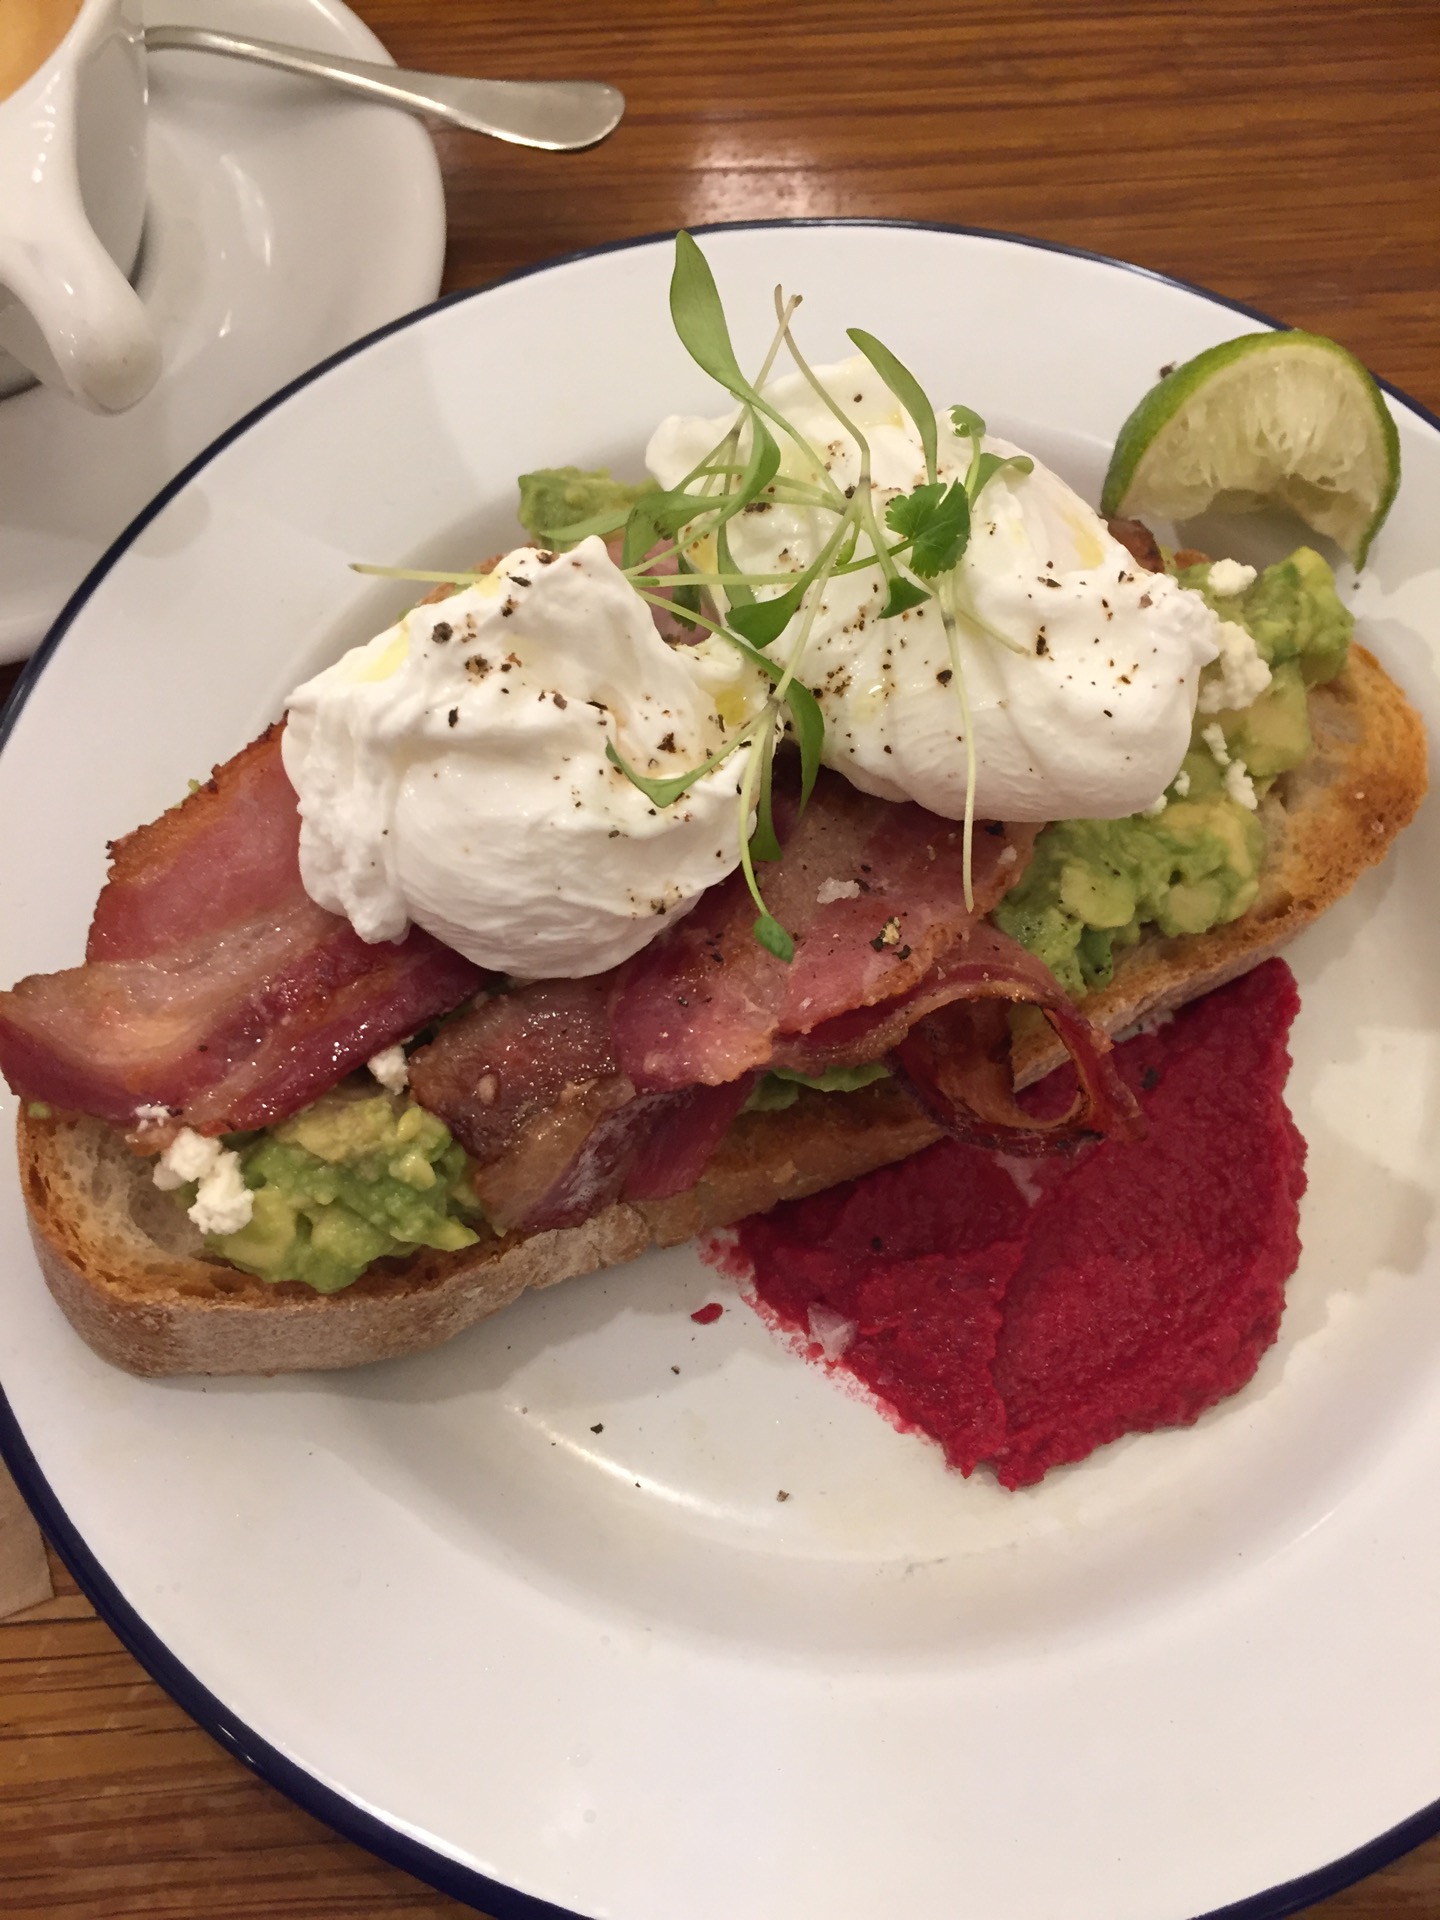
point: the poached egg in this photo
(453, 770)
(1081, 668)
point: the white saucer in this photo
(285, 221)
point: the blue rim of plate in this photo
(427, 1864)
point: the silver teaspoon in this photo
(558, 115)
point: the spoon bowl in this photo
(559, 116)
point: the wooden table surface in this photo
(1287, 155)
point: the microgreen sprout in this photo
(675, 549)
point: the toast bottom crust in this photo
(154, 1307)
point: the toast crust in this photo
(126, 1268)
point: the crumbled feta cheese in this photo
(147, 1116)
(837, 890)
(1155, 809)
(1240, 674)
(1240, 786)
(389, 1068)
(190, 1156)
(223, 1203)
(1214, 738)
(1231, 576)
(1181, 783)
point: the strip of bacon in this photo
(527, 1082)
(873, 892)
(948, 1042)
(955, 1064)
(643, 1146)
(266, 1000)
(1140, 543)
(227, 855)
(523, 1080)
(574, 1093)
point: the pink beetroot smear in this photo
(1138, 1284)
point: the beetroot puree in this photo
(1025, 1313)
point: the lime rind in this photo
(1287, 417)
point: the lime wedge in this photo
(1288, 417)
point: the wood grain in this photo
(1287, 156)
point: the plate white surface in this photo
(284, 221)
(607, 1667)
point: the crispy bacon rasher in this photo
(213, 984)
(216, 989)
(575, 1093)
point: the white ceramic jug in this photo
(72, 207)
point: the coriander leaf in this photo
(699, 318)
(664, 793)
(966, 420)
(905, 387)
(907, 512)
(773, 937)
(809, 724)
(936, 520)
(991, 463)
(940, 543)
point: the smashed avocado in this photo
(555, 498)
(1093, 886)
(780, 1088)
(355, 1178)
(1291, 610)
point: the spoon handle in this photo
(558, 115)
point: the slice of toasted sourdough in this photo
(127, 1268)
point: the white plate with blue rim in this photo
(524, 1614)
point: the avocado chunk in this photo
(1291, 610)
(553, 499)
(780, 1088)
(1093, 885)
(1272, 734)
(354, 1178)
